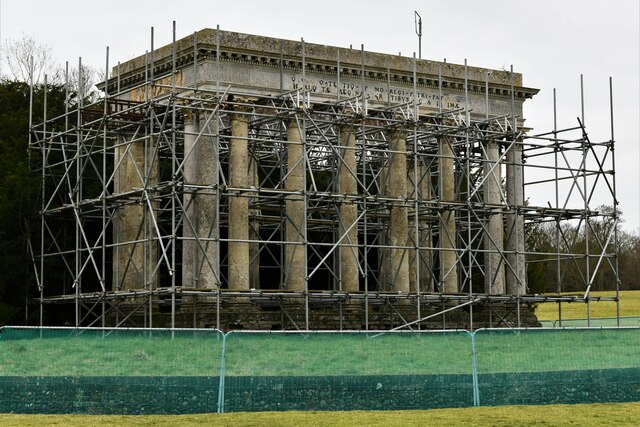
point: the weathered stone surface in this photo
(398, 224)
(135, 256)
(447, 241)
(253, 61)
(295, 223)
(242, 314)
(347, 169)
(493, 236)
(514, 230)
(420, 261)
(239, 205)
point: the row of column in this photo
(200, 258)
(403, 268)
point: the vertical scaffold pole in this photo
(585, 153)
(78, 192)
(104, 184)
(417, 194)
(615, 202)
(556, 150)
(516, 228)
(174, 160)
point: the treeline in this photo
(562, 255)
(19, 193)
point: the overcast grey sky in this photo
(551, 42)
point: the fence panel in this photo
(594, 322)
(347, 371)
(546, 366)
(93, 371)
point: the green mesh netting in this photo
(165, 372)
(557, 366)
(319, 371)
(109, 371)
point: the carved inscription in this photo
(376, 93)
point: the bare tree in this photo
(82, 84)
(18, 54)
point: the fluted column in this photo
(514, 236)
(493, 235)
(348, 211)
(295, 223)
(238, 252)
(448, 272)
(398, 219)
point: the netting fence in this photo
(592, 322)
(135, 371)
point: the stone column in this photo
(190, 224)
(384, 254)
(206, 204)
(200, 259)
(238, 255)
(448, 272)
(254, 224)
(418, 188)
(295, 223)
(398, 219)
(514, 236)
(350, 280)
(493, 235)
(136, 254)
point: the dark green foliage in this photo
(19, 191)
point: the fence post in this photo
(222, 372)
(474, 370)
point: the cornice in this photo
(135, 72)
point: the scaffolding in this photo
(180, 188)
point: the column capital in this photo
(291, 121)
(244, 107)
(188, 116)
(399, 131)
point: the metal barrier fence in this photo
(593, 322)
(136, 371)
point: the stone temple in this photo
(259, 183)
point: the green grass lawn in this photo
(618, 414)
(629, 306)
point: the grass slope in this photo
(618, 414)
(629, 306)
